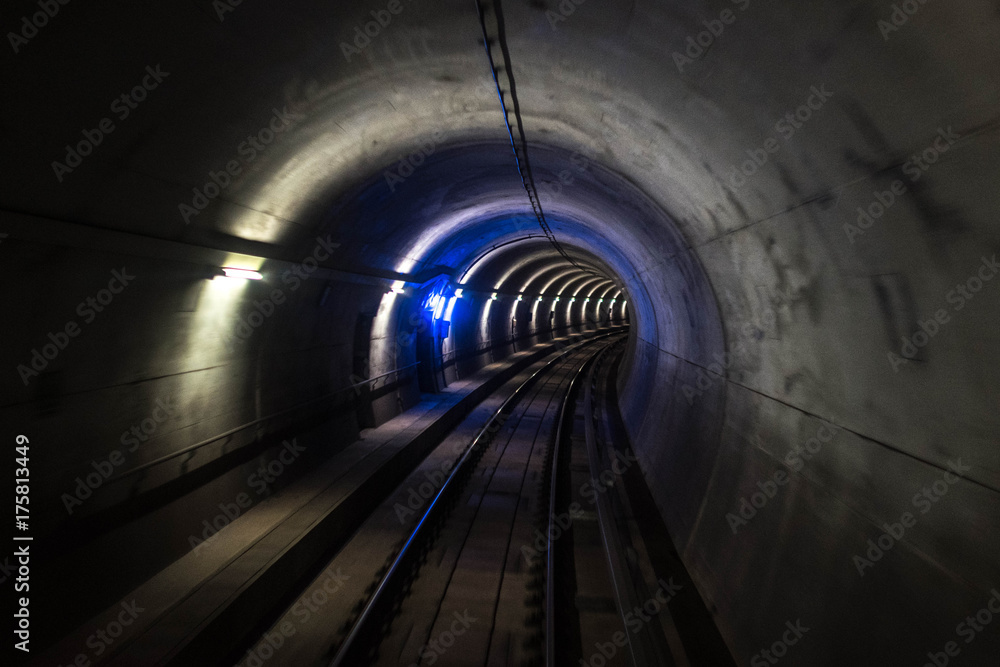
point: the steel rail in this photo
(344, 655)
(550, 589)
(641, 650)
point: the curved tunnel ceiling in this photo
(783, 211)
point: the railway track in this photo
(515, 547)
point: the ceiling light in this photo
(241, 274)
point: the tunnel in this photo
(266, 261)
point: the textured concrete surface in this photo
(763, 307)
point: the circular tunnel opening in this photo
(461, 221)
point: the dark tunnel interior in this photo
(251, 247)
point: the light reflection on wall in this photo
(484, 319)
(219, 311)
(546, 286)
(382, 349)
(210, 332)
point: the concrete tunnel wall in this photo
(762, 311)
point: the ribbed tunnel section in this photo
(793, 207)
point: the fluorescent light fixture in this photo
(600, 301)
(241, 274)
(440, 307)
(520, 297)
(397, 287)
(572, 300)
(458, 293)
(557, 298)
(451, 306)
(494, 296)
(587, 300)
